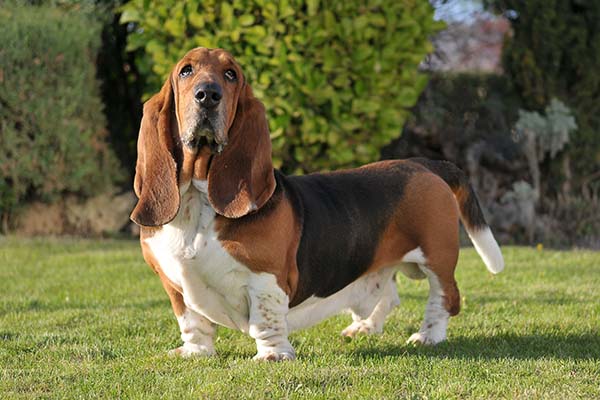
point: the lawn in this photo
(88, 319)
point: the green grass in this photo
(88, 319)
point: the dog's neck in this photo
(195, 164)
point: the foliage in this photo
(573, 221)
(541, 135)
(458, 111)
(555, 53)
(518, 210)
(52, 130)
(521, 192)
(89, 320)
(337, 77)
(551, 133)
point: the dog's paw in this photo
(363, 327)
(189, 350)
(424, 338)
(272, 355)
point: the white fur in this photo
(214, 283)
(197, 334)
(433, 328)
(216, 287)
(361, 296)
(415, 256)
(374, 322)
(487, 248)
(410, 264)
(369, 298)
(201, 185)
(267, 319)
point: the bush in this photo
(52, 129)
(457, 111)
(555, 53)
(336, 77)
(546, 135)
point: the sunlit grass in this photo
(88, 319)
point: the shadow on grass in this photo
(579, 347)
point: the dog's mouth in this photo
(201, 141)
(205, 134)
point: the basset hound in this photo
(237, 243)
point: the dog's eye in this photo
(230, 75)
(186, 71)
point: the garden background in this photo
(508, 90)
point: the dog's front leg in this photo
(197, 332)
(268, 318)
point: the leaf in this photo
(407, 97)
(196, 20)
(257, 31)
(226, 15)
(135, 41)
(312, 7)
(129, 14)
(246, 20)
(175, 27)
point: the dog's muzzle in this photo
(208, 129)
(206, 134)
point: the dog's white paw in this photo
(363, 327)
(272, 355)
(189, 350)
(425, 338)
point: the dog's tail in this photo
(470, 212)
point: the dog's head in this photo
(206, 101)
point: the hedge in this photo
(52, 129)
(337, 77)
(555, 53)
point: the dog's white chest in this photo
(214, 284)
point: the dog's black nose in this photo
(208, 94)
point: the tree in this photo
(555, 53)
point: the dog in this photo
(237, 243)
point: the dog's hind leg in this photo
(444, 297)
(373, 323)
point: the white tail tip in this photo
(487, 248)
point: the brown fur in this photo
(427, 217)
(241, 179)
(435, 226)
(265, 242)
(155, 180)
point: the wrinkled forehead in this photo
(209, 58)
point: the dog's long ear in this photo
(155, 182)
(241, 179)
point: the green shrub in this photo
(337, 77)
(52, 129)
